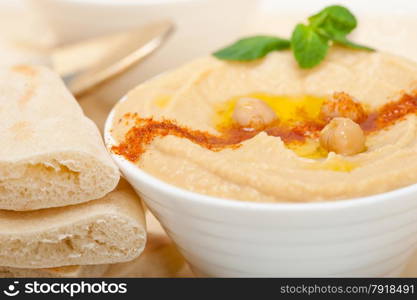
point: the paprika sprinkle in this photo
(145, 131)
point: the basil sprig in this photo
(252, 48)
(309, 43)
(308, 46)
(336, 22)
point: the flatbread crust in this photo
(51, 154)
(104, 231)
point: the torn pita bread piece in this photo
(51, 154)
(108, 230)
(59, 272)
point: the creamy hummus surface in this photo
(191, 106)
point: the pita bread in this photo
(60, 272)
(108, 230)
(51, 154)
(159, 259)
(13, 53)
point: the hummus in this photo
(199, 97)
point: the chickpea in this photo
(343, 136)
(253, 113)
(344, 106)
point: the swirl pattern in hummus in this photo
(264, 168)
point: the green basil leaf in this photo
(309, 47)
(335, 22)
(252, 48)
(334, 19)
(345, 42)
(318, 19)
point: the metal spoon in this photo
(87, 64)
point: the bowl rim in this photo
(181, 193)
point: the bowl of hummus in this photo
(263, 168)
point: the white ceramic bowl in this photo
(202, 26)
(370, 236)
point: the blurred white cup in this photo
(202, 26)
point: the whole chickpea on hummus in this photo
(269, 131)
